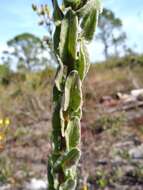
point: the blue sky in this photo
(16, 16)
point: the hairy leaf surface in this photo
(68, 159)
(70, 184)
(72, 93)
(72, 133)
(68, 37)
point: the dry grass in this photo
(28, 104)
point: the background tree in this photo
(110, 33)
(28, 52)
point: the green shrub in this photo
(5, 74)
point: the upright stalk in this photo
(75, 25)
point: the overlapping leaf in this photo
(72, 92)
(73, 34)
(70, 184)
(72, 133)
(89, 24)
(50, 175)
(82, 64)
(56, 123)
(89, 7)
(68, 37)
(69, 159)
(56, 39)
(72, 3)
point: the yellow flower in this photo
(85, 187)
(7, 121)
(2, 136)
(1, 121)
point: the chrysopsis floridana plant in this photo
(75, 24)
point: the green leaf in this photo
(77, 113)
(56, 94)
(64, 39)
(70, 184)
(69, 159)
(72, 92)
(89, 24)
(68, 85)
(50, 176)
(68, 38)
(56, 38)
(75, 96)
(57, 13)
(56, 123)
(82, 64)
(89, 13)
(89, 6)
(72, 3)
(72, 133)
(73, 34)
